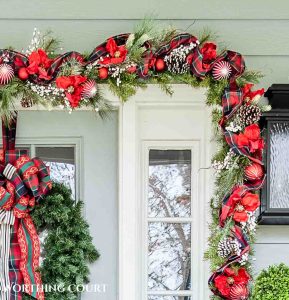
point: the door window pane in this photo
(61, 161)
(169, 183)
(169, 256)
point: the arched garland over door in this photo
(129, 61)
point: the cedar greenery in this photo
(68, 247)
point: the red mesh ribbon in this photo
(25, 182)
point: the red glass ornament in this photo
(131, 69)
(23, 74)
(160, 64)
(239, 292)
(254, 172)
(103, 73)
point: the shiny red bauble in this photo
(103, 73)
(23, 74)
(254, 172)
(239, 292)
(160, 64)
(131, 69)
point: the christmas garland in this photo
(129, 61)
(67, 244)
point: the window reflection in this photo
(169, 183)
(61, 162)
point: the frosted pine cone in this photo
(176, 60)
(249, 114)
(228, 247)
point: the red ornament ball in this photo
(160, 64)
(103, 73)
(6, 73)
(89, 89)
(239, 292)
(222, 70)
(254, 172)
(131, 69)
(23, 74)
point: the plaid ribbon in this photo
(61, 59)
(26, 181)
(235, 60)
(184, 39)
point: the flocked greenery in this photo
(68, 247)
(272, 284)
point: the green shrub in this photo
(272, 284)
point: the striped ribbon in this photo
(7, 220)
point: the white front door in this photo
(165, 187)
(82, 151)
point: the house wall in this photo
(258, 29)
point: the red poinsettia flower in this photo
(251, 138)
(241, 205)
(226, 281)
(250, 95)
(72, 86)
(117, 54)
(209, 51)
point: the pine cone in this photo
(249, 114)
(26, 102)
(176, 60)
(227, 247)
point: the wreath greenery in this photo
(68, 247)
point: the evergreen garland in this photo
(68, 247)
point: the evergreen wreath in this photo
(68, 246)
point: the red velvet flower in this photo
(117, 54)
(72, 86)
(209, 52)
(240, 205)
(38, 64)
(249, 95)
(226, 281)
(251, 138)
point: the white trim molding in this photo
(131, 285)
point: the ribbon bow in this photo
(23, 183)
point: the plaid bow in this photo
(23, 183)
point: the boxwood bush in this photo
(272, 284)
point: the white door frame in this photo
(131, 283)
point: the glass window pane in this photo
(279, 171)
(169, 256)
(169, 183)
(61, 161)
(169, 298)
